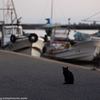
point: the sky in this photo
(36, 11)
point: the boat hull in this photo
(83, 51)
(26, 47)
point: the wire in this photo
(55, 13)
(44, 11)
(62, 11)
(92, 15)
(0, 15)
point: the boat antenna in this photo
(68, 26)
(8, 6)
(14, 10)
(3, 13)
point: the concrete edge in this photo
(50, 60)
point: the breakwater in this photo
(40, 26)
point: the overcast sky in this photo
(35, 11)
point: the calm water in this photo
(42, 32)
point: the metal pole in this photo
(3, 13)
(14, 9)
(51, 12)
(51, 22)
(11, 17)
(2, 39)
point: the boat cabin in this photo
(16, 30)
(60, 40)
(8, 31)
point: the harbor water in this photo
(41, 32)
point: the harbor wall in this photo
(40, 26)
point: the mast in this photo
(2, 27)
(14, 9)
(51, 22)
(3, 13)
(3, 24)
(51, 12)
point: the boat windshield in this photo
(12, 31)
(7, 31)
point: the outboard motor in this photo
(45, 38)
(44, 49)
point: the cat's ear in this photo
(67, 67)
(62, 67)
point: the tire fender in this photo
(33, 38)
(13, 38)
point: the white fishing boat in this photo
(84, 47)
(61, 47)
(13, 38)
(18, 42)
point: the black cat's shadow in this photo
(68, 76)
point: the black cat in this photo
(68, 75)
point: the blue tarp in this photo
(98, 33)
(83, 36)
(80, 36)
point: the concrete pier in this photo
(31, 78)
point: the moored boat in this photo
(14, 39)
(84, 47)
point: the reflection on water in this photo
(94, 63)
